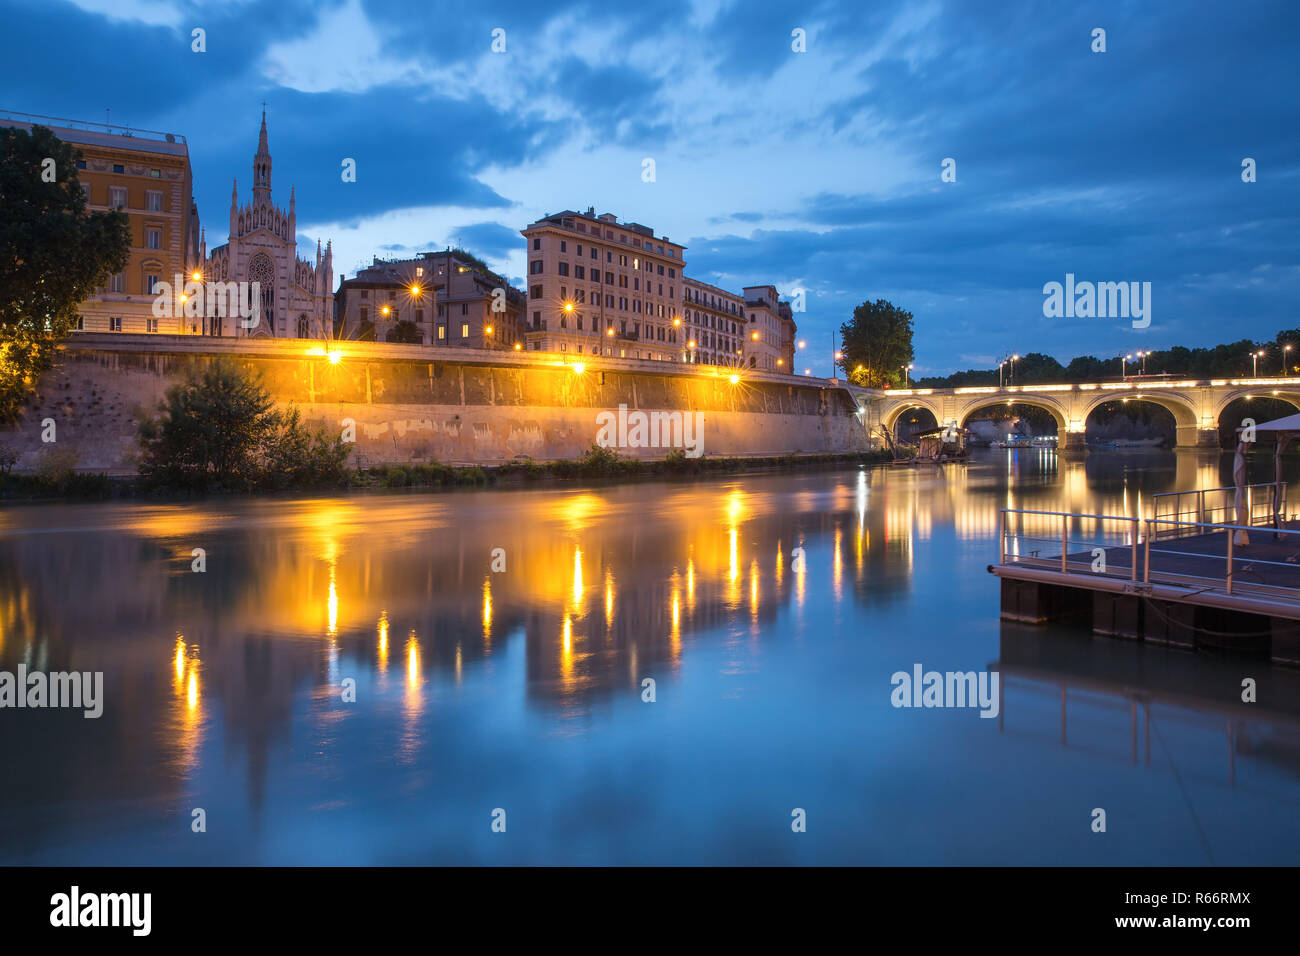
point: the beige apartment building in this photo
(600, 287)
(147, 175)
(716, 325)
(450, 298)
(770, 333)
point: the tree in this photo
(405, 331)
(53, 255)
(219, 428)
(875, 344)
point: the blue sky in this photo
(817, 170)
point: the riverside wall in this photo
(414, 403)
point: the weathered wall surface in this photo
(456, 409)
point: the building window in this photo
(115, 323)
(535, 292)
(151, 284)
(117, 197)
(564, 268)
(535, 267)
(564, 246)
(81, 164)
(365, 315)
(419, 272)
(155, 174)
(537, 242)
(365, 293)
(442, 332)
(79, 323)
(151, 325)
(153, 201)
(419, 315)
(464, 330)
(153, 238)
(464, 308)
(117, 168)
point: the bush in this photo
(56, 466)
(219, 429)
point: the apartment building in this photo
(770, 333)
(448, 298)
(715, 323)
(147, 175)
(600, 287)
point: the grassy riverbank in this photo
(598, 464)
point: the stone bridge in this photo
(1195, 404)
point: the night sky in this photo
(817, 170)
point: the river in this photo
(505, 689)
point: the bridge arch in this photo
(1222, 402)
(891, 417)
(1050, 405)
(1180, 406)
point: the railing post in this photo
(1228, 579)
(1134, 575)
(1065, 542)
(1200, 511)
(1002, 536)
(1146, 559)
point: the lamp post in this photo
(1254, 362)
(1123, 366)
(1143, 356)
(1285, 349)
(907, 368)
(1007, 360)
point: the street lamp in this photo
(1143, 357)
(1123, 370)
(1285, 349)
(1008, 360)
(907, 368)
(1254, 362)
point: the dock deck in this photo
(1187, 583)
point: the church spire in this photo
(262, 167)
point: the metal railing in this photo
(1215, 506)
(1186, 553)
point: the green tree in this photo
(876, 344)
(404, 331)
(53, 255)
(219, 428)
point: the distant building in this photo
(147, 175)
(600, 287)
(296, 297)
(769, 336)
(448, 298)
(597, 286)
(715, 324)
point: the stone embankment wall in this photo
(411, 403)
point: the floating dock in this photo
(1162, 579)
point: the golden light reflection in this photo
(487, 609)
(609, 598)
(753, 589)
(577, 578)
(383, 642)
(566, 651)
(837, 565)
(412, 660)
(780, 564)
(733, 570)
(186, 725)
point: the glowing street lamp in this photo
(1285, 349)
(907, 368)
(1254, 361)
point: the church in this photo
(297, 300)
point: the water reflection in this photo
(228, 682)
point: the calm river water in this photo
(521, 690)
